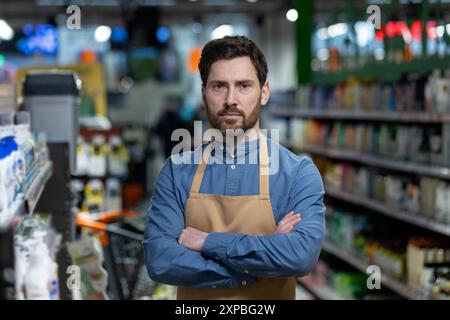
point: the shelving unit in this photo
(322, 292)
(381, 162)
(388, 71)
(27, 203)
(390, 282)
(34, 193)
(390, 211)
(379, 115)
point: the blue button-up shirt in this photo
(229, 259)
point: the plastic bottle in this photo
(117, 157)
(8, 152)
(94, 196)
(97, 167)
(37, 279)
(82, 165)
(53, 279)
(21, 253)
(113, 195)
(25, 170)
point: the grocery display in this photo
(382, 147)
(24, 163)
(36, 245)
(376, 122)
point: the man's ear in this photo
(203, 97)
(265, 93)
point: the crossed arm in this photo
(188, 257)
(194, 239)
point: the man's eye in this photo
(245, 86)
(218, 86)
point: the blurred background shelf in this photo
(393, 284)
(321, 292)
(389, 211)
(27, 203)
(381, 162)
(34, 193)
(384, 71)
(379, 115)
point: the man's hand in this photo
(192, 238)
(287, 224)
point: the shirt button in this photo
(213, 287)
(246, 271)
(233, 166)
(244, 283)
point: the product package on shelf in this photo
(98, 152)
(22, 156)
(10, 190)
(83, 155)
(102, 166)
(371, 244)
(36, 272)
(425, 144)
(118, 158)
(425, 196)
(411, 94)
(420, 262)
(87, 255)
(94, 196)
(426, 257)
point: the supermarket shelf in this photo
(393, 284)
(387, 210)
(378, 161)
(28, 202)
(387, 71)
(323, 293)
(380, 115)
(33, 193)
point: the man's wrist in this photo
(216, 245)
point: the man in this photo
(220, 230)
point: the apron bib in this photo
(236, 214)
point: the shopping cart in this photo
(121, 234)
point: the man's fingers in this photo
(181, 237)
(286, 229)
(287, 224)
(286, 218)
(290, 216)
(289, 219)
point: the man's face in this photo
(232, 94)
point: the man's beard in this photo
(222, 124)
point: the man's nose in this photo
(231, 97)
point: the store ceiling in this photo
(111, 12)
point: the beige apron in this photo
(236, 214)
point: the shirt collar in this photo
(244, 149)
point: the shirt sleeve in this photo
(279, 255)
(169, 262)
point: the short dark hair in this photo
(231, 47)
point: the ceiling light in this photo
(102, 33)
(292, 15)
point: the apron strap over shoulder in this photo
(263, 168)
(198, 176)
